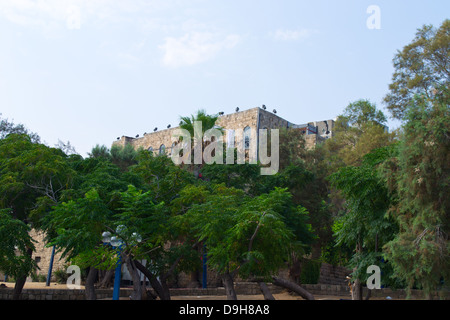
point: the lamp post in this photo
(115, 242)
(205, 269)
(50, 267)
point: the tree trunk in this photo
(295, 269)
(357, 290)
(164, 294)
(165, 288)
(228, 283)
(357, 286)
(20, 282)
(294, 287)
(18, 287)
(162, 291)
(137, 288)
(106, 281)
(265, 291)
(89, 286)
(161, 286)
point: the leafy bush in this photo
(61, 276)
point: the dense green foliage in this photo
(420, 68)
(420, 181)
(16, 241)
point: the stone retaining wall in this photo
(60, 294)
(330, 274)
(241, 289)
(327, 289)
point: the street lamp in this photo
(136, 237)
(106, 237)
(115, 242)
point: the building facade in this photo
(247, 122)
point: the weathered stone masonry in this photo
(254, 119)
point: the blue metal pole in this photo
(116, 291)
(205, 270)
(50, 267)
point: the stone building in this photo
(248, 121)
(42, 255)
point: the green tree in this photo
(361, 112)
(159, 175)
(105, 197)
(16, 247)
(252, 237)
(422, 67)
(146, 233)
(86, 209)
(32, 179)
(123, 157)
(358, 130)
(7, 127)
(419, 178)
(75, 228)
(241, 176)
(100, 151)
(364, 225)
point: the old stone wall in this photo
(335, 275)
(60, 294)
(268, 120)
(232, 124)
(42, 255)
(152, 140)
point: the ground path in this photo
(278, 296)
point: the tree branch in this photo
(250, 245)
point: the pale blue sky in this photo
(89, 71)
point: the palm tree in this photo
(208, 122)
(188, 123)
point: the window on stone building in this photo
(150, 149)
(247, 134)
(162, 149)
